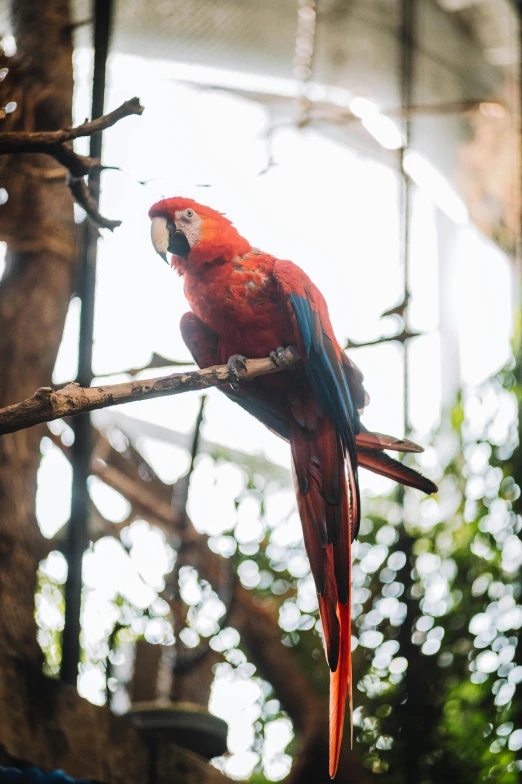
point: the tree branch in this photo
(82, 196)
(58, 145)
(47, 404)
(156, 361)
(50, 142)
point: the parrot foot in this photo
(279, 359)
(236, 363)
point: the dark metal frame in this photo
(81, 450)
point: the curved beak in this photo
(159, 234)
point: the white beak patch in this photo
(160, 236)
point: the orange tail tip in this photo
(341, 688)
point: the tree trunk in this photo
(34, 296)
(45, 722)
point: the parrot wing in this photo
(325, 365)
(203, 344)
(325, 362)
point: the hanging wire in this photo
(406, 79)
(304, 52)
(516, 127)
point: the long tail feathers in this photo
(327, 496)
(340, 688)
(341, 678)
(381, 463)
(328, 501)
(379, 441)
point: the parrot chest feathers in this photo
(241, 299)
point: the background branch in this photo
(58, 145)
(47, 404)
(83, 197)
(156, 361)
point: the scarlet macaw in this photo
(248, 303)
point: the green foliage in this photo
(50, 613)
(436, 608)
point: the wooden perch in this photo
(58, 145)
(47, 404)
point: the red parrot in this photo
(248, 303)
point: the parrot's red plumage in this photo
(247, 302)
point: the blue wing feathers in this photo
(302, 311)
(325, 373)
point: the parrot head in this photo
(194, 234)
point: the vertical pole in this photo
(77, 534)
(518, 250)
(517, 701)
(182, 665)
(410, 720)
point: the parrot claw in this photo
(235, 363)
(279, 359)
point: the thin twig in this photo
(156, 361)
(47, 404)
(83, 197)
(58, 145)
(402, 337)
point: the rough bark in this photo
(34, 297)
(60, 730)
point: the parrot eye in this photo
(189, 213)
